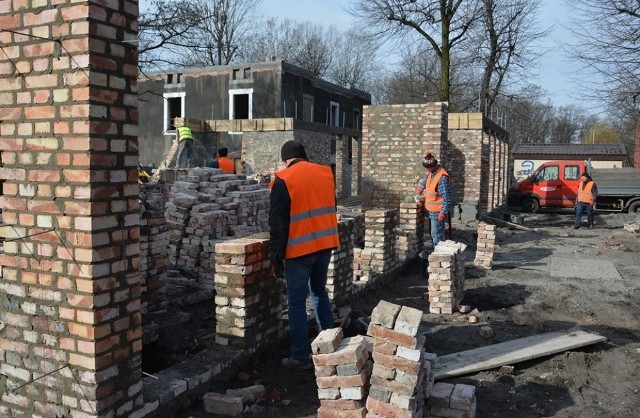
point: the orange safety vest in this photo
(314, 224)
(584, 193)
(226, 165)
(432, 200)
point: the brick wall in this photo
(478, 161)
(70, 288)
(394, 140)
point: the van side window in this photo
(548, 173)
(571, 172)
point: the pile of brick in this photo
(446, 277)
(154, 239)
(342, 368)
(378, 255)
(249, 300)
(486, 245)
(449, 400)
(398, 362)
(205, 207)
(408, 231)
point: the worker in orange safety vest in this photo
(436, 188)
(303, 228)
(587, 194)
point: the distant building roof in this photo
(557, 151)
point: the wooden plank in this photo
(510, 352)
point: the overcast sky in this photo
(554, 73)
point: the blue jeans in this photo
(304, 274)
(580, 209)
(437, 229)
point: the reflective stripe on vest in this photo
(432, 199)
(184, 133)
(584, 193)
(313, 221)
(226, 165)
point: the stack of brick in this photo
(378, 256)
(340, 274)
(248, 297)
(446, 277)
(342, 368)
(449, 400)
(398, 362)
(154, 240)
(486, 245)
(408, 231)
(206, 207)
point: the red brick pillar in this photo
(70, 337)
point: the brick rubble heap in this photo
(342, 368)
(486, 245)
(449, 400)
(154, 241)
(398, 362)
(206, 207)
(446, 277)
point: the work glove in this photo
(441, 217)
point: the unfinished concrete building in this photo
(258, 91)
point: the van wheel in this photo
(634, 207)
(530, 205)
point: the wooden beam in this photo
(511, 352)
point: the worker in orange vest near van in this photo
(303, 228)
(437, 196)
(223, 162)
(587, 194)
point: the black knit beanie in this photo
(292, 149)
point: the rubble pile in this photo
(446, 277)
(206, 207)
(449, 400)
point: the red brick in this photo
(327, 412)
(342, 381)
(392, 336)
(383, 409)
(397, 363)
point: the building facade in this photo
(274, 89)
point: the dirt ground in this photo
(563, 278)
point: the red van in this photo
(553, 184)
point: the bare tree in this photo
(567, 124)
(162, 30)
(442, 24)
(272, 39)
(315, 50)
(219, 31)
(355, 60)
(609, 44)
(509, 30)
(530, 115)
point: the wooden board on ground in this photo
(511, 352)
